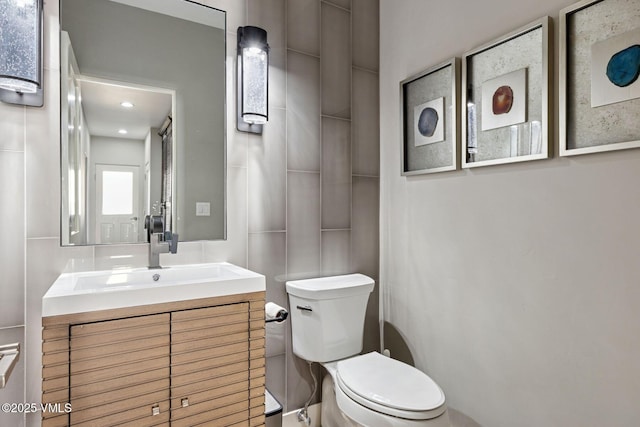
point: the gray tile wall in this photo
(329, 199)
(12, 251)
(319, 150)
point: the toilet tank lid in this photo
(331, 287)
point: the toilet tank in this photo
(327, 316)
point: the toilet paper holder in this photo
(275, 313)
(8, 358)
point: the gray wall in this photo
(29, 155)
(116, 51)
(515, 287)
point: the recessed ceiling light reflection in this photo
(122, 131)
(126, 104)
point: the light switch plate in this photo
(203, 209)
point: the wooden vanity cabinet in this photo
(187, 363)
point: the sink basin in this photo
(104, 290)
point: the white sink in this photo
(103, 290)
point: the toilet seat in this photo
(391, 387)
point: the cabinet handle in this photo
(155, 410)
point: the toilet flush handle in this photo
(304, 307)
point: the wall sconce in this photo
(253, 79)
(21, 52)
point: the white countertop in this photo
(110, 289)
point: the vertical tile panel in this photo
(364, 248)
(12, 248)
(366, 123)
(364, 232)
(335, 52)
(276, 337)
(270, 15)
(303, 227)
(51, 36)
(371, 338)
(43, 162)
(336, 252)
(267, 176)
(236, 15)
(366, 34)
(303, 26)
(12, 127)
(13, 392)
(276, 377)
(303, 112)
(236, 140)
(277, 77)
(234, 249)
(336, 173)
(267, 255)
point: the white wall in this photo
(515, 287)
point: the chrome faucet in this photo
(159, 241)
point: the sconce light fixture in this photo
(253, 79)
(21, 52)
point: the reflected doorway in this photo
(118, 209)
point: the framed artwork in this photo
(507, 99)
(599, 70)
(429, 117)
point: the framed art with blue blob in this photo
(430, 120)
(599, 76)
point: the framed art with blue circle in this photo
(599, 76)
(429, 105)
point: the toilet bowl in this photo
(377, 391)
(371, 390)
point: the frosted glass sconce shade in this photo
(253, 78)
(21, 52)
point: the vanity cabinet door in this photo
(120, 372)
(210, 366)
(199, 362)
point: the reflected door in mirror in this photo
(118, 210)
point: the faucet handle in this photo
(173, 243)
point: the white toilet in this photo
(327, 322)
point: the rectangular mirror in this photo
(142, 86)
